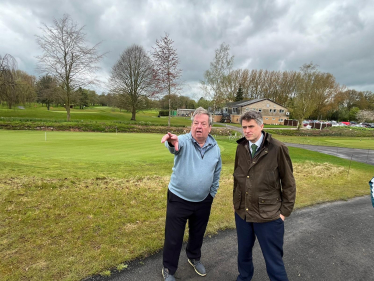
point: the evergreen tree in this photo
(239, 94)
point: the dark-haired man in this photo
(264, 194)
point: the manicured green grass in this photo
(91, 114)
(78, 204)
(350, 142)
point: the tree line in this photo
(141, 80)
(307, 93)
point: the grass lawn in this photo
(90, 114)
(350, 142)
(78, 204)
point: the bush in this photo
(163, 113)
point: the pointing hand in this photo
(171, 138)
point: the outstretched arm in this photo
(172, 139)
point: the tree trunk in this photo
(299, 124)
(169, 113)
(68, 112)
(133, 113)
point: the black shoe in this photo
(167, 276)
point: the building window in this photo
(273, 118)
(259, 110)
(225, 110)
(274, 110)
(267, 118)
(270, 109)
(268, 105)
(235, 110)
(281, 110)
(280, 120)
(246, 109)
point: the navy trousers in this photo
(270, 237)
(177, 213)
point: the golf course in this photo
(75, 204)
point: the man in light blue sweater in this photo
(193, 185)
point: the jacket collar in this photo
(267, 138)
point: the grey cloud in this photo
(263, 34)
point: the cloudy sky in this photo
(262, 34)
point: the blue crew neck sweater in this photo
(195, 176)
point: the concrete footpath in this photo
(332, 242)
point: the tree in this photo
(203, 103)
(82, 97)
(215, 77)
(365, 116)
(239, 94)
(8, 67)
(132, 78)
(307, 83)
(25, 87)
(47, 90)
(167, 71)
(67, 57)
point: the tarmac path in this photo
(355, 154)
(331, 241)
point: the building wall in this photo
(185, 112)
(271, 112)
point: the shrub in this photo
(163, 113)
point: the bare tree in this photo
(216, 77)
(312, 88)
(8, 67)
(132, 78)
(302, 100)
(67, 56)
(166, 65)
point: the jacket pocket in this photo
(237, 198)
(269, 207)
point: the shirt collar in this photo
(258, 142)
(207, 141)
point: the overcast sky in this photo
(274, 35)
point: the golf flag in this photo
(371, 183)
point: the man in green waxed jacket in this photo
(264, 194)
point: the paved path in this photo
(359, 155)
(332, 242)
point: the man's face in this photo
(251, 130)
(200, 128)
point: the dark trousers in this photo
(270, 237)
(177, 213)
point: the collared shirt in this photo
(203, 149)
(258, 143)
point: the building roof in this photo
(248, 102)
